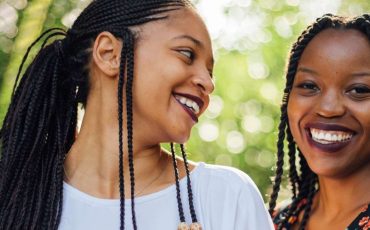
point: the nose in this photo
(331, 104)
(204, 81)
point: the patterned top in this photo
(361, 222)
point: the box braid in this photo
(305, 185)
(194, 225)
(190, 191)
(177, 182)
(39, 127)
(120, 130)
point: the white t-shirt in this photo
(224, 199)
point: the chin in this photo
(333, 172)
(180, 138)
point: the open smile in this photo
(191, 104)
(329, 138)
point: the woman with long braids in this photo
(326, 124)
(143, 72)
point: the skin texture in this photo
(167, 61)
(332, 87)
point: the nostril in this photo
(201, 86)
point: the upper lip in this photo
(328, 127)
(196, 99)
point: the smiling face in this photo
(173, 76)
(329, 105)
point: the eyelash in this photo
(191, 57)
(355, 91)
(359, 91)
(362, 89)
(189, 54)
(307, 86)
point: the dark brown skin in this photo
(332, 89)
(162, 66)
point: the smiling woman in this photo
(144, 77)
(326, 116)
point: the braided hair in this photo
(40, 124)
(305, 183)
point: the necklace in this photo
(151, 182)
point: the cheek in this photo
(363, 114)
(291, 113)
(294, 115)
(206, 104)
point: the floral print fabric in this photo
(362, 221)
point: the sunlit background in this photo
(251, 42)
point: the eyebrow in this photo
(310, 71)
(188, 37)
(361, 74)
(195, 41)
(306, 70)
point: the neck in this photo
(92, 164)
(346, 193)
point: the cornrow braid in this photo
(305, 184)
(40, 124)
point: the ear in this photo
(107, 53)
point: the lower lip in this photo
(331, 148)
(188, 111)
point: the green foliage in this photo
(239, 129)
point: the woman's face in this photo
(329, 105)
(173, 76)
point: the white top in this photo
(224, 199)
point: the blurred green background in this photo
(251, 42)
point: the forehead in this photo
(336, 47)
(181, 22)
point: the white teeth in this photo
(329, 137)
(189, 103)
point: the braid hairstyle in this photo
(190, 191)
(188, 184)
(304, 184)
(177, 181)
(40, 124)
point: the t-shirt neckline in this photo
(69, 190)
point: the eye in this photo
(359, 91)
(308, 86)
(189, 54)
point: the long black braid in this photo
(177, 181)
(39, 127)
(120, 132)
(304, 184)
(188, 184)
(190, 191)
